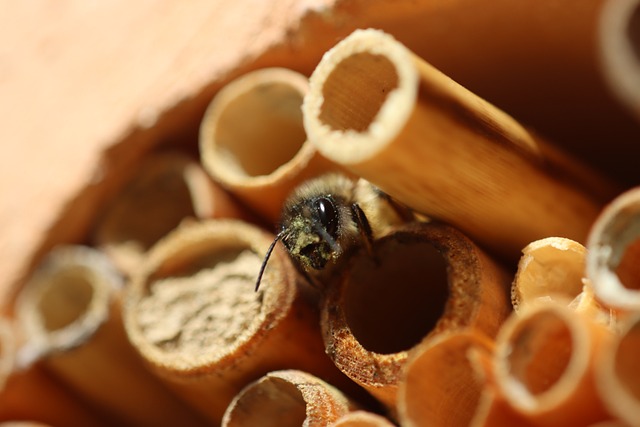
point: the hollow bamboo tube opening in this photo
(194, 316)
(252, 139)
(550, 267)
(423, 279)
(620, 49)
(375, 108)
(544, 365)
(613, 259)
(391, 309)
(618, 374)
(67, 299)
(168, 187)
(288, 399)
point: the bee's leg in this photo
(365, 230)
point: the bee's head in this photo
(312, 234)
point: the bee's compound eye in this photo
(327, 214)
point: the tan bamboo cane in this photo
(252, 140)
(618, 379)
(619, 42)
(545, 363)
(440, 386)
(30, 393)
(168, 187)
(193, 315)
(361, 419)
(613, 258)
(287, 398)
(422, 280)
(377, 109)
(70, 313)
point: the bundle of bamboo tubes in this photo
(498, 285)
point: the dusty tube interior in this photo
(260, 129)
(541, 349)
(271, 402)
(392, 306)
(201, 297)
(355, 91)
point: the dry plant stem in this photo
(618, 378)
(545, 365)
(167, 188)
(193, 315)
(423, 280)
(32, 394)
(252, 140)
(70, 313)
(362, 419)
(440, 385)
(377, 109)
(613, 257)
(549, 267)
(619, 42)
(287, 398)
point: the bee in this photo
(326, 217)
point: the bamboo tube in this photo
(618, 378)
(361, 419)
(376, 109)
(440, 386)
(70, 314)
(619, 43)
(167, 188)
(549, 267)
(287, 398)
(614, 253)
(426, 279)
(252, 140)
(545, 365)
(193, 315)
(32, 394)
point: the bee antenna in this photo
(279, 236)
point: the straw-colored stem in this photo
(252, 140)
(32, 394)
(168, 187)
(619, 42)
(194, 316)
(422, 280)
(362, 419)
(70, 313)
(287, 399)
(613, 258)
(440, 385)
(377, 109)
(545, 365)
(618, 376)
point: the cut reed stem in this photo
(377, 109)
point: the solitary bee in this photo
(328, 216)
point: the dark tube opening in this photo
(393, 305)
